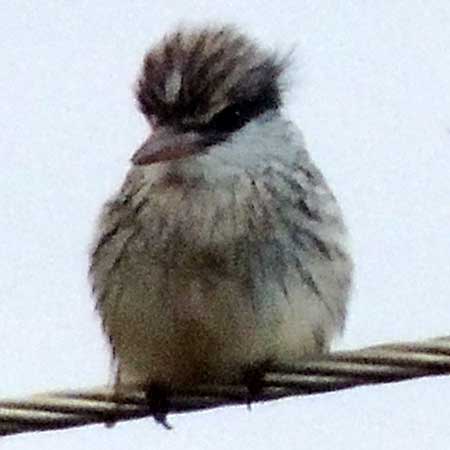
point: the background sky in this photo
(371, 91)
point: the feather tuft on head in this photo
(194, 76)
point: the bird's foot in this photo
(253, 379)
(157, 396)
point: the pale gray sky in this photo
(371, 91)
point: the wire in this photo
(330, 372)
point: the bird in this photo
(224, 250)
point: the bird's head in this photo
(199, 87)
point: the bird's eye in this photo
(236, 115)
(229, 119)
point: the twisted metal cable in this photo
(331, 372)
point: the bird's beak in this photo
(165, 144)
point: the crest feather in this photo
(194, 74)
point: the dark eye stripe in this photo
(238, 114)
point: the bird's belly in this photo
(182, 323)
(191, 325)
(189, 294)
